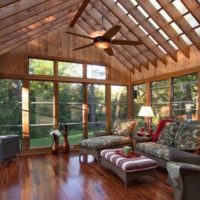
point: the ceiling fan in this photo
(104, 40)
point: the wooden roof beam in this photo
(180, 20)
(165, 26)
(149, 28)
(4, 3)
(81, 10)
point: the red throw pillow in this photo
(159, 128)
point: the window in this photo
(10, 107)
(139, 98)
(70, 109)
(41, 67)
(185, 97)
(70, 69)
(41, 113)
(160, 100)
(96, 71)
(97, 108)
(119, 102)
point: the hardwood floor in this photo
(49, 177)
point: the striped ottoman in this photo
(128, 168)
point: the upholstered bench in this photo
(128, 168)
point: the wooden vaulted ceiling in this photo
(164, 26)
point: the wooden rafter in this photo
(4, 3)
(135, 30)
(40, 32)
(130, 49)
(93, 21)
(27, 20)
(81, 10)
(180, 20)
(160, 20)
(149, 28)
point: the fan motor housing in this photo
(102, 42)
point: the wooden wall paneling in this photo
(25, 115)
(4, 3)
(149, 28)
(85, 112)
(181, 21)
(170, 97)
(39, 32)
(143, 52)
(160, 20)
(80, 11)
(108, 109)
(91, 11)
(135, 29)
(32, 22)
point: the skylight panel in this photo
(191, 20)
(164, 34)
(134, 2)
(122, 8)
(143, 29)
(165, 15)
(197, 30)
(176, 28)
(186, 39)
(133, 19)
(115, 1)
(180, 6)
(154, 41)
(162, 49)
(153, 23)
(143, 11)
(155, 4)
(173, 44)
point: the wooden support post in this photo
(130, 99)
(148, 94)
(85, 112)
(108, 109)
(170, 97)
(199, 96)
(25, 115)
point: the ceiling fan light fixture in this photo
(102, 45)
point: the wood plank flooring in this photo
(62, 177)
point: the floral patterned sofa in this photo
(184, 136)
(120, 136)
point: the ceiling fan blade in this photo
(82, 47)
(112, 31)
(109, 51)
(79, 35)
(126, 42)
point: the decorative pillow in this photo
(159, 128)
(124, 128)
(168, 134)
(188, 136)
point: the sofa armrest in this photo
(190, 169)
(101, 133)
(177, 155)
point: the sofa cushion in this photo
(154, 149)
(188, 136)
(105, 142)
(124, 128)
(168, 134)
(159, 129)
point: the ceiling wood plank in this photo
(58, 6)
(149, 28)
(81, 10)
(135, 30)
(130, 49)
(11, 38)
(180, 20)
(40, 32)
(164, 25)
(4, 3)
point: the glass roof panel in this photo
(186, 39)
(133, 19)
(165, 15)
(197, 30)
(155, 4)
(153, 23)
(122, 7)
(191, 20)
(164, 34)
(180, 6)
(162, 49)
(143, 29)
(173, 44)
(143, 11)
(176, 28)
(134, 2)
(154, 41)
